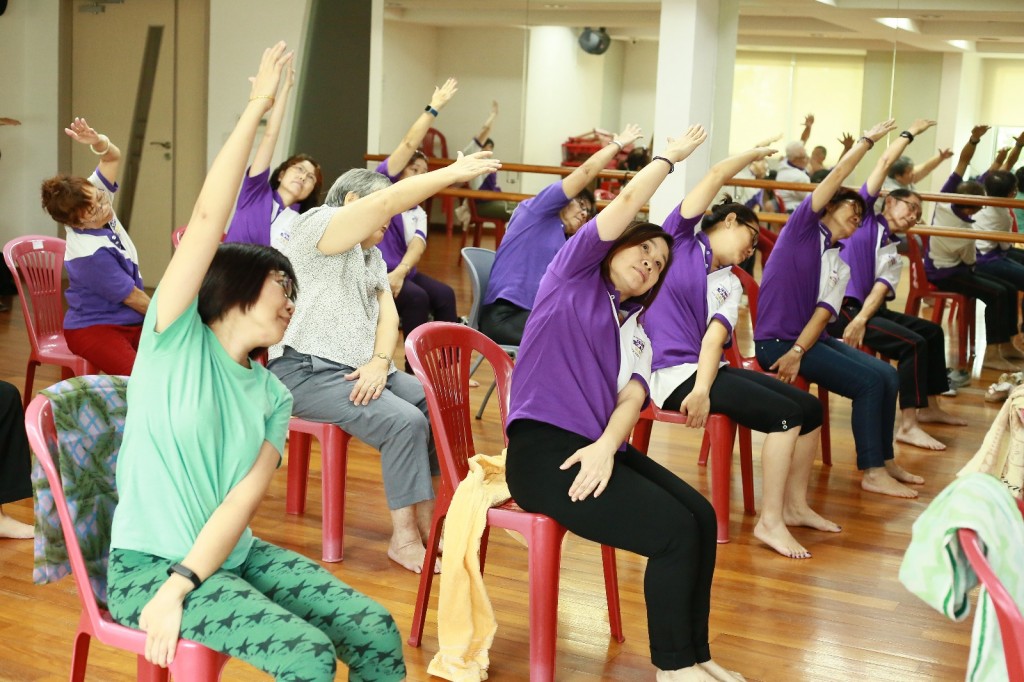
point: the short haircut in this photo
(589, 196)
(488, 141)
(638, 233)
(1000, 183)
(313, 199)
(901, 166)
(846, 194)
(65, 198)
(794, 149)
(902, 193)
(819, 175)
(235, 279)
(1019, 174)
(721, 211)
(971, 188)
(362, 181)
(823, 150)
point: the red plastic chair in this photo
(476, 224)
(176, 236)
(719, 436)
(37, 264)
(921, 289)
(435, 145)
(334, 471)
(192, 661)
(439, 353)
(765, 243)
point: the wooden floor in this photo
(841, 615)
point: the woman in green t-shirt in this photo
(204, 434)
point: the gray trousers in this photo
(395, 423)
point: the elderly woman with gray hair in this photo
(335, 357)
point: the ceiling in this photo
(990, 27)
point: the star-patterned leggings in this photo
(278, 611)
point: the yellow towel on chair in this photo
(465, 619)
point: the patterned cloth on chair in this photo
(89, 414)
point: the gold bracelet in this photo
(256, 97)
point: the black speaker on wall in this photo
(3, 6)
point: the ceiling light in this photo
(899, 23)
(960, 44)
(830, 3)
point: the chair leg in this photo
(747, 470)
(419, 614)
(149, 672)
(826, 431)
(611, 590)
(642, 434)
(30, 375)
(80, 655)
(480, 412)
(545, 556)
(483, 547)
(705, 450)
(335, 468)
(722, 439)
(298, 472)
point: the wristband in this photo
(798, 348)
(256, 97)
(432, 110)
(974, 141)
(185, 572)
(865, 138)
(103, 138)
(618, 144)
(671, 166)
(907, 134)
(383, 356)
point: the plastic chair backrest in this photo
(751, 289)
(176, 236)
(439, 354)
(37, 264)
(916, 245)
(431, 141)
(478, 263)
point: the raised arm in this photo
(999, 160)
(399, 159)
(357, 220)
(1011, 159)
(574, 183)
(700, 197)
(613, 220)
(184, 274)
(808, 124)
(967, 153)
(921, 171)
(265, 151)
(893, 152)
(485, 129)
(834, 180)
(100, 145)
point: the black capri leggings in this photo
(645, 509)
(756, 401)
(503, 322)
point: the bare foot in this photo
(936, 415)
(720, 673)
(694, 673)
(901, 474)
(778, 538)
(473, 383)
(15, 529)
(918, 438)
(410, 556)
(808, 518)
(878, 480)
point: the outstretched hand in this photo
(847, 141)
(630, 134)
(81, 131)
(468, 167)
(4, 121)
(268, 78)
(978, 131)
(880, 130)
(762, 152)
(768, 141)
(1001, 156)
(945, 154)
(919, 126)
(681, 147)
(444, 93)
(809, 120)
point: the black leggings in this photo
(645, 509)
(999, 296)
(15, 461)
(756, 401)
(503, 322)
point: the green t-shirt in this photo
(196, 422)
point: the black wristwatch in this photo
(185, 572)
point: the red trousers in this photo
(110, 348)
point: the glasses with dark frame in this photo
(287, 283)
(915, 207)
(588, 210)
(100, 201)
(755, 232)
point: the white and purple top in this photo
(259, 212)
(805, 273)
(534, 235)
(690, 298)
(103, 269)
(948, 256)
(402, 229)
(871, 254)
(790, 197)
(997, 219)
(565, 374)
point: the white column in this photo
(374, 104)
(696, 54)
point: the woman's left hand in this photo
(595, 462)
(788, 366)
(853, 336)
(880, 130)
(395, 280)
(161, 621)
(81, 131)
(696, 406)
(370, 381)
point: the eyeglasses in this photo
(100, 202)
(304, 176)
(587, 209)
(915, 207)
(754, 234)
(857, 211)
(288, 284)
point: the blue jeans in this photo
(870, 383)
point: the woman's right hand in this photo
(443, 94)
(465, 168)
(762, 152)
(596, 462)
(919, 126)
(696, 406)
(682, 146)
(81, 131)
(630, 134)
(978, 131)
(880, 130)
(787, 366)
(268, 78)
(161, 620)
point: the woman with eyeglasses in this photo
(203, 438)
(692, 322)
(105, 296)
(801, 292)
(538, 229)
(918, 345)
(270, 201)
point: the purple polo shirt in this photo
(257, 207)
(678, 318)
(933, 273)
(789, 286)
(860, 250)
(566, 373)
(103, 269)
(400, 233)
(533, 237)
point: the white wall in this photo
(29, 74)
(639, 74)
(239, 31)
(410, 76)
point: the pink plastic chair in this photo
(192, 661)
(334, 465)
(439, 353)
(176, 236)
(962, 307)
(37, 264)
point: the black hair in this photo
(819, 175)
(589, 196)
(1000, 183)
(900, 166)
(488, 141)
(721, 211)
(972, 188)
(313, 200)
(1019, 174)
(846, 194)
(235, 279)
(638, 233)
